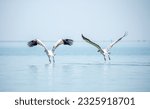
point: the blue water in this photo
(77, 68)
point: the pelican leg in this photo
(109, 57)
(53, 59)
(104, 58)
(49, 60)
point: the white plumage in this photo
(50, 53)
(106, 51)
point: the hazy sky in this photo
(53, 19)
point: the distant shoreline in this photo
(79, 41)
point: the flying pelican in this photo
(106, 51)
(50, 53)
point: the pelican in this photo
(106, 51)
(50, 53)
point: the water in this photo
(77, 68)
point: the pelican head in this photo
(50, 53)
(105, 52)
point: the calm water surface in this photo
(77, 68)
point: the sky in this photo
(49, 20)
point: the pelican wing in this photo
(113, 43)
(62, 41)
(92, 43)
(36, 42)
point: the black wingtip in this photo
(68, 41)
(82, 36)
(32, 43)
(125, 34)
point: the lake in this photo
(78, 68)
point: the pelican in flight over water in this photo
(106, 51)
(50, 53)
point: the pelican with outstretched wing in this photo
(50, 53)
(106, 51)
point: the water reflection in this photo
(33, 68)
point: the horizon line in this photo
(143, 40)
